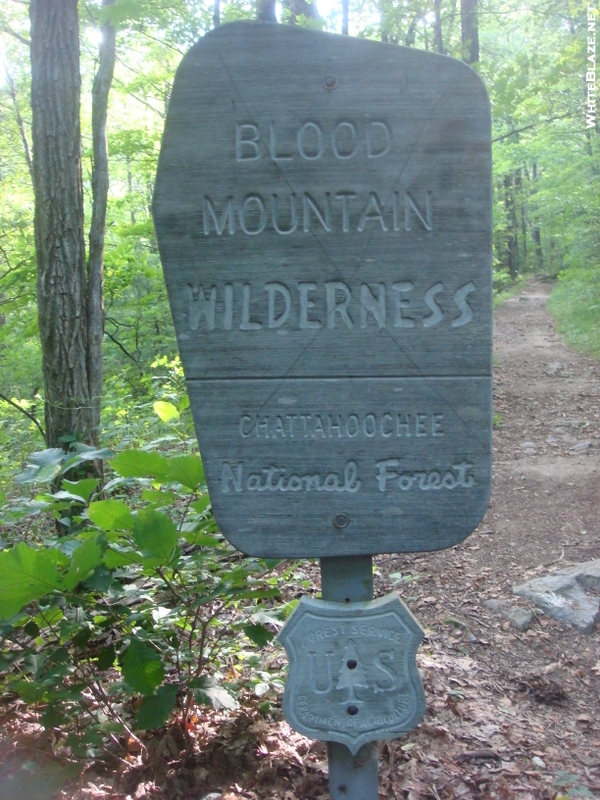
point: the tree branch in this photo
(124, 349)
(533, 125)
(19, 118)
(16, 35)
(28, 414)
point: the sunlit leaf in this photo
(141, 464)
(166, 411)
(110, 515)
(27, 574)
(186, 470)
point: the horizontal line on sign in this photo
(344, 378)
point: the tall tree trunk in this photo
(299, 8)
(536, 234)
(100, 182)
(512, 239)
(437, 27)
(345, 16)
(265, 11)
(469, 31)
(59, 221)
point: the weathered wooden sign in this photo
(322, 207)
(353, 676)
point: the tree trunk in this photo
(536, 234)
(292, 9)
(512, 241)
(265, 11)
(469, 31)
(59, 221)
(100, 182)
(437, 27)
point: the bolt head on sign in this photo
(322, 207)
(353, 676)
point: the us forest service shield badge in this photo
(353, 674)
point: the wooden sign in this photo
(322, 207)
(353, 676)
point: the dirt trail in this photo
(531, 699)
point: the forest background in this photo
(127, 604)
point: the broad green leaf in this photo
(31, 692)
(155, 535)
(201, 539)
(258, 634)
(83, 561)
(114, 559)
(158, 497)
(166, 411)
(201, 505)
(48, 473)
(27, 574)
(107, 657)
(110, 515)
(157, 708)
(186, 470)
(142, 667)
(141, 464)
(82, 488)
(43, 465)
(209, 692)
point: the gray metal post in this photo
(349, 579)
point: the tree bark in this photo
(469, 31)
(299, 8)
(512, 240)
(265, 11)
(437, 27)
(59, 220)
(100, 184)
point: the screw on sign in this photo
(322, 208)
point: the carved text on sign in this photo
(341, 210)
(341, 426)
(311, 140)
(274, 478)
(308, 305)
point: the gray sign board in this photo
(353, 674)
(322, 207)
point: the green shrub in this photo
(122, 605)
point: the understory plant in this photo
(121, 606)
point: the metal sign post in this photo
(351, 777)
(323, 213)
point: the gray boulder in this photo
(562, 597)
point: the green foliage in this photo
(575, 303)
(571, 784)
(121, 606)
